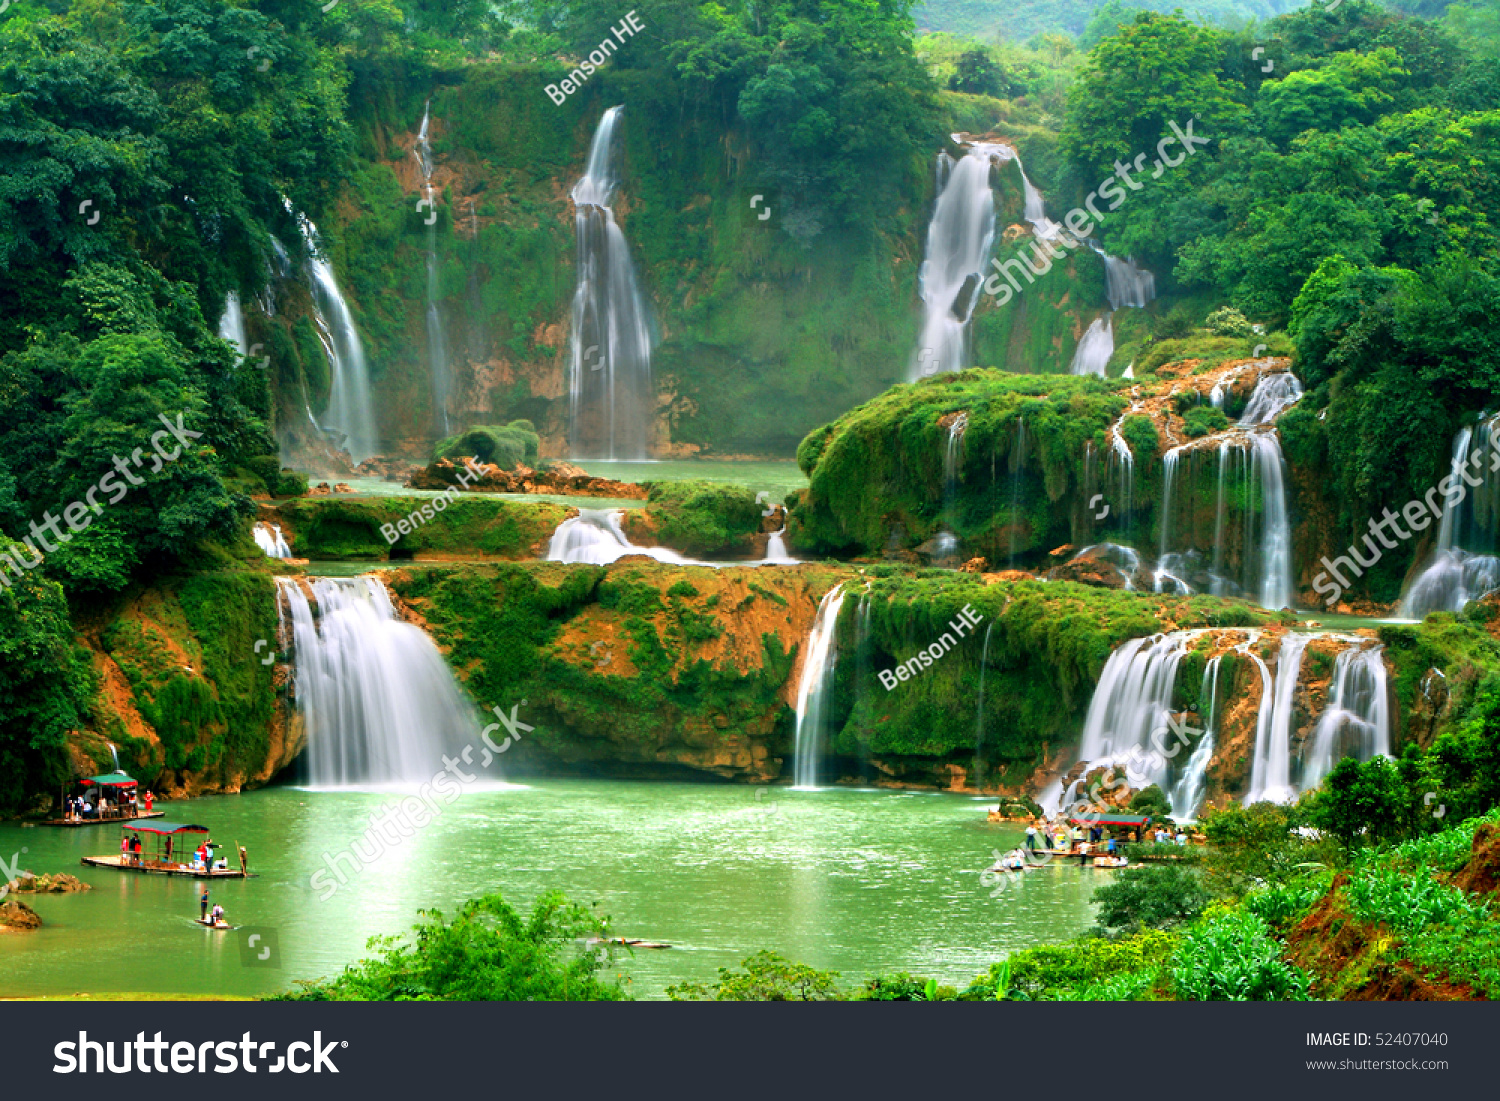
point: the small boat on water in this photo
(626, 942)
(163, 860)
(210, 923)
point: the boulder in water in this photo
(60, 884)
(16, 915)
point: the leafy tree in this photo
(1151, 800)
(767, 977)
(979, 74)
(489, 952)
(1156, 896)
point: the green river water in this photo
(862, 882)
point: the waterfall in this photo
(437, 344)
(952, 457)
(350, 411)
(1096, 346)
(268, 538)
(815, 689)
(776, 549)
(1125, 283)
(1457, 574)
(959, 239)
(232, 324)
(1017, 460)
(1132, 700)
(1187, 795)
(1356, 722)
(1271, 770)
(380, 704)
(611, 397)
(114, 755)
(1273, 395)
(984, 659)
(1276, 525)
(594, 536)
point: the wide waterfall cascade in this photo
(1187, 794)
(350, 411)
(815, 690)
(1132, 700)
(380, 704)
(1463, 566)
(612, 402)
(437, 343)
(232, 324)
(959, 239)
(269, 538)
(1096, 346)
(1356, 723)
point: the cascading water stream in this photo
(232, 324)
(984, 664)
(959, 239)
(379, 701)
(610, 390)
(437, 343)
(269, 538)
(1271, 767)
(1187, 794)
(1356, 723)
(815, 690)
(1463, 566)
(350, 411)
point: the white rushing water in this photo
(612, 402)
(1356, 723)
(595, 537)
(1096, 346)
(350, 410)
(380, 704)
(815, 690)
(437, 342)
(1187, 793)
(1463, 565)
(1271, 766)
(268, 537)
(232, 324)
(776, 550)
(959, 239)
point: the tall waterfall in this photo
(437, 343)
(1187, 794)
(1271, 767)
(1356, 722)
(380, 704)
(984, 664)
(959, 239)
(1126, 284)
(232, 324)
(611, 397)
(1463, 566)
(815, 690)
(1251, 483)
(350, 411)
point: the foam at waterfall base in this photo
(594, 537)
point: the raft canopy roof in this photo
(110, 780)
(131, 826)
(1133, 821)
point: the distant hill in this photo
(1020, 20)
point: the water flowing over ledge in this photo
(380, 704)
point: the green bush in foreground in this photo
(489, 952)
(1151, 897)
(1234, 958)
(767, 977)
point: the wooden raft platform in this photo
(111, 821)
(157, 867)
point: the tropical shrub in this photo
(1234, 958)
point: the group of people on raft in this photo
(79, 808)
